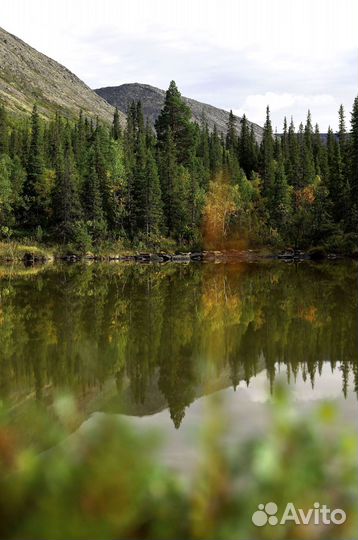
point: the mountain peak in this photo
(152, 99)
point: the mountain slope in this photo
(28, 76)
(153, 99)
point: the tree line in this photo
(83, 183)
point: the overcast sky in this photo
(239, 54)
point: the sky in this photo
(292, 55)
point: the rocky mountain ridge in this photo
(152, 99)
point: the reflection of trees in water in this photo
(183, 325)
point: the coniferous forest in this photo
(82, 184)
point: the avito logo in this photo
(267, 514)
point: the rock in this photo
(152, 100)
(156, 258)
(181, 257)
(196, 256)
(286, 255)
(165, 256)
(142, 257)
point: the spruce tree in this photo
(153, 211)
(267, 154)
(67, 211)
(246, 157)
(308, 168)
(353, 177)
(92, 200)
(231, 133)
(35, 172)
(292, 162)
(176, 117)
(216, 152)
(116, 126)
(173, 190)
(4, 139)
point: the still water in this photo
(152, 341)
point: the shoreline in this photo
(31, 255)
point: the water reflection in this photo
(138, 338)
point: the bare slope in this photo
(28, 76)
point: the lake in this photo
(151, 342)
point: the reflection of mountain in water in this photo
(166, 335)
(110, 400)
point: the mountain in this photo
(153, 99)
(28, 76)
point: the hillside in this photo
(28, 76)
(153, 99)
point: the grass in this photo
(13, 251)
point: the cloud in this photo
(235, 55)
(285, 103)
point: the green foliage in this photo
(102, 184)
(109, 483)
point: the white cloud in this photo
(285, 103)
(231, 53)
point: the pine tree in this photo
(176, 117)
(308, 168)
(153, 213)
(292, 162)
(279, 197)
(342, 132)
(204, 153)
(267, 154)
(337, 185)
(319, 154)
(5, 190)
(35, 172)
(285, 141)
(231, 133)
(173, 190)
(4, 139)
(116, 126)
(216, 152)
(67, 211)
(353, 178)
(246, 149)
(92, 200)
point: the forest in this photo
(81, 184)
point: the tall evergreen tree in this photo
(92, 199)
(279, 199)
(4, 139)
(267, 154)
(231, 133)
(308, 168)
(67, 211)
(173, 190)
(246, 147)
(35, 172)
(353, 177)
(176, 117)
(153, 210)
(292, 162)
(216, 152)
(116, 126)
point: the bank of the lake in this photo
(14, 252)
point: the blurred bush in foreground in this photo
(106, 482)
